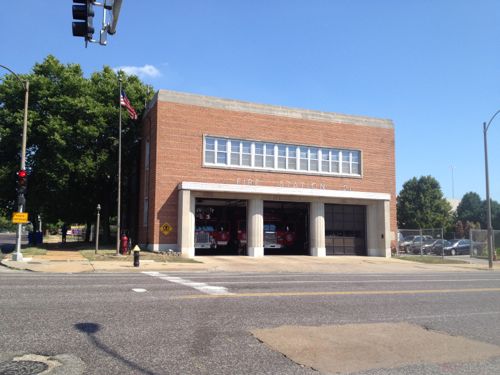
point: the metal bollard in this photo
(137, 252)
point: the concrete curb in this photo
(284, 264)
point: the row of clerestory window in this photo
(237, 153)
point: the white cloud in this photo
(140, 71)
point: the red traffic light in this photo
(22, 173)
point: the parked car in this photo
(458, 247)
(436, 247)
(412, 244)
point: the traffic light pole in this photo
(20, 198)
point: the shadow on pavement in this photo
(90, 329)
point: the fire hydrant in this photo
(137, 252)
(124, 244)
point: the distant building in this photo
(454, 203)
(230, 177)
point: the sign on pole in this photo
(19, 217)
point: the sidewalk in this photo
(73, 262)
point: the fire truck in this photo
(212, 233)
(276, 235)
(203, 237)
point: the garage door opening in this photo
(345, 229)
(220, 227)
(286, 228)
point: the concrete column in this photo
(255, 223)
(378, 229)
(317, 229)
(186, 222)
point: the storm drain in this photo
(34, 364)
(22, 368)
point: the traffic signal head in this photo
(22, 181)
(83, 11)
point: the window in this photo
(346, 162)
(303, 162)
(269, 155)
(246, 154)
(355, 162)
(313, 157)
(281, 157)
(292, 157)
(335, 158)
(221, 151)
(235, 153)
(325, 161)
(209, 150)
(259, 155)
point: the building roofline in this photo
(266, 109)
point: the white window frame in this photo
(229, 142)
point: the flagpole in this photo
(118, 226)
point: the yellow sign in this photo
(166, 228)
(19, 217)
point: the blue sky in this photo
(432, 66)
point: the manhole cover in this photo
(22, 368)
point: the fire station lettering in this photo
(287, 184)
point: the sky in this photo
(431, 66)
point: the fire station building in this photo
(223, 176)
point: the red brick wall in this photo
(179, 155)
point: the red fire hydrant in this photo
(124, 244)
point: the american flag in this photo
(126, 103)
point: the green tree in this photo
(495, 214)
(470, 208)
(421, 204)
(72, 145)
(459, 229)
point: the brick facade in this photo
(175, 133)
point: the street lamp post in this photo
(488, 203)
(21, 202)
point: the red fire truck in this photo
(276, 235)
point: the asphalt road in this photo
(199, 323)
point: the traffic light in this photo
(22, 181)
(83, 11)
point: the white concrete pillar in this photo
(186, 223)
(255, 224)
(378, 229)
(317, 229)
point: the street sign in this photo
(19, 217)
(166, 228)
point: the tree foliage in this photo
(421, 204)
(470, 208)
(474, 210)
(72, 147)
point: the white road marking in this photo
(139, 290)
(202, 287)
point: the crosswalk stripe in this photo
(202, 287)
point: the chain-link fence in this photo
(421, 241)
(435, 242)
(479, 243)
